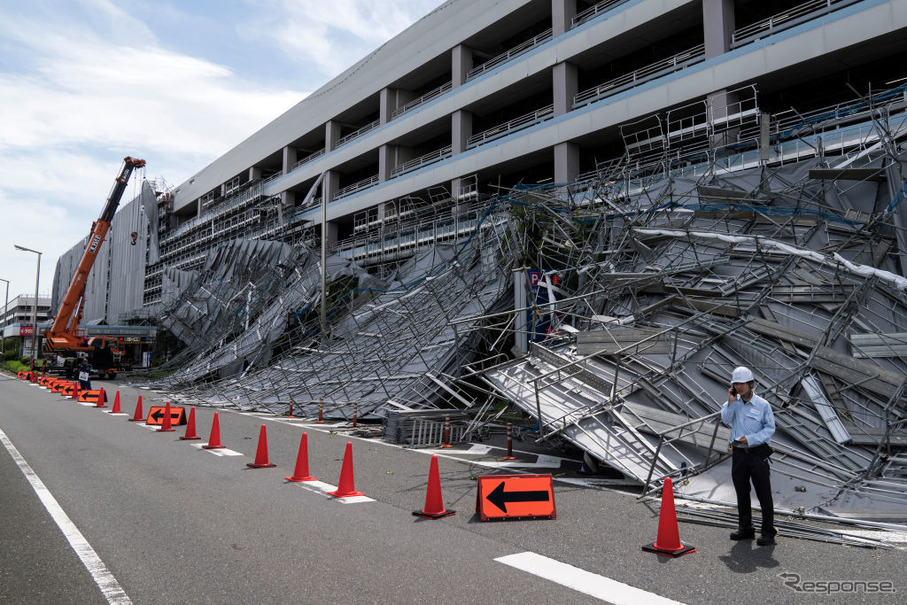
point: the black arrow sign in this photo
(159, 415)
(500, 498)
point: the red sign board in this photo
(25, 330)
(515, 497)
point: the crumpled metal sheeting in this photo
(709, 268)
(382, 343)
(241, 287)
(219, 294)
(387, 345)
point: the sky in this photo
(85, 83)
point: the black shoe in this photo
(743, 534)
(766, 540)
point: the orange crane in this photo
(63, 338)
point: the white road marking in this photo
(220, 451)
(600, 587)
(324, 488)
(108, 584)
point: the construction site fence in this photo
(413, 431)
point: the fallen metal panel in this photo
(825, 409)
(879, 345)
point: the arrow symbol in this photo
(159, 415)
(500, 498)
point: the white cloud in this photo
(82, 99)
(331, 36)
(84, 83)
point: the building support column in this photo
(566, 162)
(460, 130)
(289, 159)
(254, 173)
(390, 99)
(386, 163)
(718, 26)
(565, 80)
(329, 185)
(718, 29)
(461, 62)
(331, 135)
(387, 103)
(562, 13)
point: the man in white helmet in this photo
(752, 426)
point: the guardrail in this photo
(357, 186)
(437, 92)
(661, 68)
(594, 11)
(309, 158)
(358, 133)
(524, 121)
(511, 54)
(787, 19)
(419, 162)
(246, 196)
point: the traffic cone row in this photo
(434, 504)
(667, 543)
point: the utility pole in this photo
(34, 313)
(3, 322)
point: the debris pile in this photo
(638, 289)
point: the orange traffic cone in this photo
(347, 487)
(167, 423)
(301, 473)
(138, 416)
(214, 439)
(102, 399)
(116, 404)
(190, 427)
(668, 542)
(261, 454)
(434, 503)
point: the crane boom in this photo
(63, 335)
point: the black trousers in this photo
(749, 466)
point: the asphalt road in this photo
(173, 523)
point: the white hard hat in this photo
(741, 374)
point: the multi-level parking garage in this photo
(481, 95)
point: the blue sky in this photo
(84, 83)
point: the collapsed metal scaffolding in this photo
(670, 275)
(256, 341)
(645, 283)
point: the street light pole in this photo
(3, 322)
(34, 314)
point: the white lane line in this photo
(108, 584)
(220, 451)
(582, 581)
(323, 488)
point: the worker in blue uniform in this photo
(752, 426)
(85, 375)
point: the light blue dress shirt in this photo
(752, 419)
